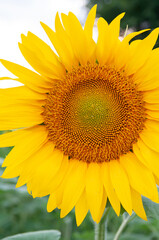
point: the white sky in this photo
(21, 16)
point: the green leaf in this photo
(151, 209)
(39, 235)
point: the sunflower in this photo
(87, 121)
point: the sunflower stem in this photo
(100, 228)
(68, 228)
(123, 225)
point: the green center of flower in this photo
(92, 111)
(95, 114)
(93, 108)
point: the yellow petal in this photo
(12, 138)
(23, 121)
(61, 43)
(150, 138)
(34, 140)
(150, 156)
(45, 172)
(153, 114)
(12, 171)
(8, 103)
(141, 51)
(109, 188)
(58, 178)
(139, 156)
(18, 116)
(63, 46)
(147, 76)
(51, 204)
(151, 96)
(103, 205)
(76, 35)
(138, 205)
(27, 77)
(114, 26)
(88, 28)
(73, 187)
(81, 208)
(44, 56)
(21, 93)
(152, 125)
(50, 57)
(122, 51)
(82, 47)
(59, 196)
(60, 190)
(6, 78)
(149, 83)
(156, 180)
(121, 184)
(18, 110)
(108, 39)
(94, 190)
(37, 64)
(33, 162)
(140, 178)
(102, 42)
(152, 106)
(130, 36)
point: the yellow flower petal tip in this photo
(86, 120)
(122, 15)
(94, 9)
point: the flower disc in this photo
(95, 115)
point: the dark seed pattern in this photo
(100, 131)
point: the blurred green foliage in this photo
(140, 14)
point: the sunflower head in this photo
(94, 115)
(87, 119)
